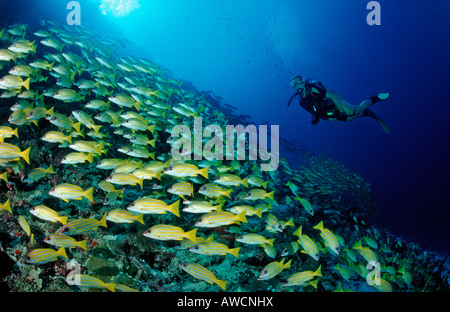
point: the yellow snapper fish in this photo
(200, 272)
(66, 191)
(6, 55)
(201, 207)
(80, 226)
(137, 151)
(147, 174)
(249, 210)
(87, 281)
(109, 188)
(255, 239)
(302, 278)
(47, 214)
(6, 207)
(306, 204)
(77, 158)
(216, 219)
(62, 121)
(367, 253)
(22, 71)
(257, 181)
(36, 174)
(214, 191)
(122, 178)
(86, 120)
(166, 232)
(124, 216)
(181, 188)
(147, 205)
(7, 132)
(40, 112)
(45, 255)
(56, 137)
(273, 224)
(329, 238)
(88, 147)
(124, 100)
(26, 227)
(10, 152)
(138, 125)
(273, 269)
(68, 96)
(186, 170)
(256, 194)
(60, 240)
(14, 82)
(231, 180)
(309, 246)
(214, 249)
(110, 163)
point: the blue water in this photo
(247, 51)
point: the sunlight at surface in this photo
(119, 8)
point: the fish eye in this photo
(66, 230)
(195, 247)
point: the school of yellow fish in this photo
(112, 115)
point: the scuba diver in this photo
(325, 104)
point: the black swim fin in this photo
(369, 113)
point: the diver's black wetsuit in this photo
(316, 103)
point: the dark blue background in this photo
(247, 52)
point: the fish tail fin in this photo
(298, 232)
(137, 105)
(102, 221)
(15, 132)
(97, 128)
(50, 169)
(191, 235)
(264, 185)
(26, 83)
(110, 286)
(290, 222)
(227, 193)
(141, 183)
(151, 128)
(287, 265)
(319, 226)
(313, 283)
(63, 220)
(77, 126)
(222, 284)
(152, 142)
(62, 253)
(82, 244)
(270, 195)
(158, 175)
(51, 111)
(204, 172)
(270, 241)
(245, 182)
(7, 206)
(89, 194)
(69, 138)
(259, 212)
(235, 251)
(140, 218)
(89, 157)
(175, 208)
(26, 155)
(218, 207)
(241, 217)
(4, 176)
(318, 271)
(357, 245)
